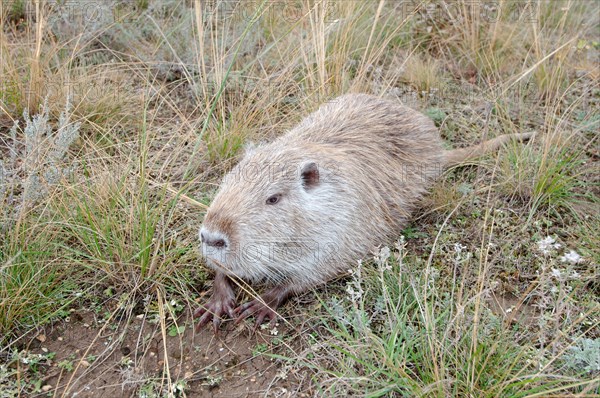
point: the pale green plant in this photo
(585, 355)
(38, 164)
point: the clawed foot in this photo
(215, 309)
(221, 303)
(259, 309)
(263, 308)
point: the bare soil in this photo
(126, 361)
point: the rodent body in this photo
(303, 209)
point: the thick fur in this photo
(375, 159)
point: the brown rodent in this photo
(303, 209)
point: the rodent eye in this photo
(273, 199)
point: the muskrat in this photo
(297, 212)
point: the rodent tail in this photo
(457, 156)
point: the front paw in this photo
(259, 309)
(215, 309)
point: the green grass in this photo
(36, 283)
(403, 329)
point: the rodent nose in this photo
(212, 241)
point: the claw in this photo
(221, 303)
(216, 324)
(213, 310)
(254, 307)
(266, 315)
(259, 310)
(262, 308)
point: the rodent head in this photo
(266, 221)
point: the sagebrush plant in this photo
(37, 161)
(584, 356)
(41, 159)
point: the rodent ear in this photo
(310, 176)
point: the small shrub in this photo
(37, 164)
(584, 356)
